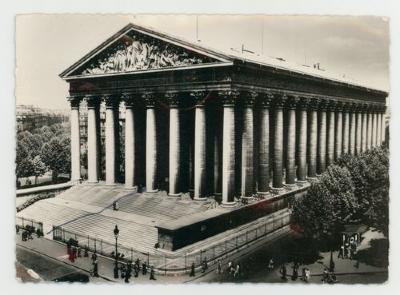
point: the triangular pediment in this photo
(139, 49)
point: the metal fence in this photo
(179, 261)
(22, 222)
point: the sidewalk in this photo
(58, 251)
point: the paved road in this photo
(47, 268)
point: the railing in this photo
(180, 261)
(26, 223)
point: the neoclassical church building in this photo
(212, 123)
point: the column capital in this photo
(130, 99)
(111, 100)
(74, 101)
(229, 97)
(149, 99)
(249, 98)
(291, 102)
(304, 103)
(200, 97)
(323, 104)
(346, 106)
(172, 99)
(93, 100)
(339, 106)
(265, 99)
(279, 101)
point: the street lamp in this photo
(116, 233)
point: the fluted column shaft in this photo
(346, 127)
(199, 148)
(129, 146)
(247, 170)
(379, 130)
(331, 138)
(352, 142)
(369, 131)
(364, 137)
(228, 149)
(383, 135)
(263, 146)
(111, 139)
(93, 160)
(359, 131)
(322, 141)
(291, 143)
(278, 146)
(302, 146)
(217, 158)
(174, 146)
(374, 128)
(151, 144)
(338, 134)
(75, 140)
(312, 143)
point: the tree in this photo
(370, 175)
(327, 206)
(56, 155)
(39, 168)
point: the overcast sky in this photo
(47, 44)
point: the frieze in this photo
(137, 52)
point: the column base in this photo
(228, 204)
(290, 185)
(92, 182)
(175, 195)
(111, 183)
(200, 199)
(312, 178)
(151, 191)
(277, 190)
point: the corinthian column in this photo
(278, 143)
(129, 140)
(92, 144)
(112, 132)
(352, 142)
(302, 144)
(174, 145)
(199, 146)
(312, 140)
(369, 129)
(151, 143)
(291, 141)
(322, 138)
(247, 171)
(373, 131)
(383, 135)
(229, 98)
(379, 129)
(338, 132)
(346, 127)
(331, 133)
(75, 140)
(359, 129)
(364, 137)
(263, 145)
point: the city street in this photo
(47, 269)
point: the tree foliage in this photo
(329, 203)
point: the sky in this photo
(354, 46)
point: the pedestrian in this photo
(237, 271)
(303, 274)
(271, 264)
(94, 256)
(325, 276)
(95, 268)
(341, 252)
(283, 272)
(144, 268)
(229, 266)
(136, 269)
(308, 275)
(192, 270)
(152, 277)
(204, 266)
(219, 267)
(73, 254)
(79, 252)
(295, 273)
(86, 252)
(115, 206)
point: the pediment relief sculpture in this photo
(138, 52)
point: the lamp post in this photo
(116, 233)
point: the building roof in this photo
(223, 56)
